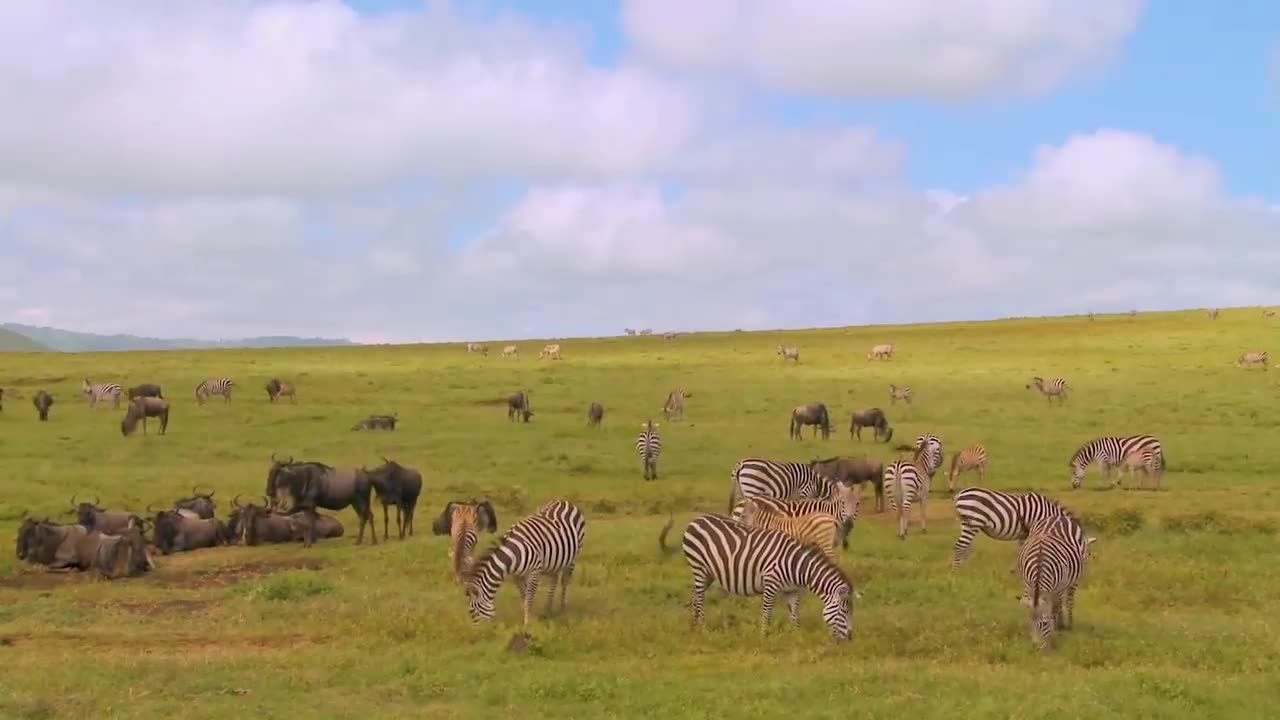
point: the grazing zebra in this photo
(1052, 561)
(463, 522)
(510, 351)
(970, 458)
(214, 386)
(101, 390)
(478, 347)
(930, 457)
(881, 352)
(544, 543)
(1147, 460)
(842, 504)
(754, 561)
(649, 448)
(818, 529)
(551, 350)
(674, 406)
(629, 331)
(904, 483)
(646, 331)
(756, 476)
(789, 352)
(1110, 451)
(999, 515)
(1253, 358)
(1051, 388)
(899, 393)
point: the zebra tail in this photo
(897, 491)
(662, 536)
(1035, 589)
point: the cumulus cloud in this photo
(946, 50)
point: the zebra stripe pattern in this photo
(755, 477)
(1110, 451)
(674, 406)
(843, 504)
(755, 561)
(1253, 358)
(929, 450)
(998, 515)
(100, 391)
(649, 448)
(905, 483)
(817, 529)
(1051, 388)
(971, 458)
(899, 393)
(214, 386)
(545, 543)
(1052, 561)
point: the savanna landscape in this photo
(1175, 616)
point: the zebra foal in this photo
(463, 522)
(843, 504)
(1253, 358)
(1111, 451)
(649, 448)
(971, 458)
(818, 528)
(1051, 388)
(1052, 562)
(999, 516)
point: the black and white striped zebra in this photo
(899, 393)
(905, 483)
(1259, 357)
(998, 515)
(1051, 388)
(1110, 451)
(100, 391)
(930, 451)
(843, 504)
(1052, 561)
(214, 386)
(760, 477)
(649, 448)
(545, 543)
(754, 561)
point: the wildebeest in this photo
(377, 422)
(43, 401)
(94, 518)
(551, 350)
(396, 485)
(40, 540)
(112, 555)
(518, 406)
(145, 390)
(595, 414)
(674, 406)
(854, 471)
(872, 418)
(277, 389)
(463, 522)
(174, 532)
(256, 524)
(141, 408)
(302, 487)
(814, 414)
(201, 504)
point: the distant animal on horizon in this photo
(551, 350)
(789, 352)
(595, 414)
(881, 352)
(478, 347)
(510, 351)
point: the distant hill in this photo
(41, 338)
(11, 341)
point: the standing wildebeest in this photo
(43, 401)
(175, 532)
(145, 390)
(301, 487)
(814, 414)
(872, 418)
(789, 352)
(377, 422)
(478, 347)
(396, 485)
(854, 471)
(93, 517)
(882, 352)
(99, 391)
(510, 351)
(518, 405)
(674, 406)
(463, 522)
(595, 414)
(550, 350)
(276, 389)
(141, 408)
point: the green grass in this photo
(1176, 617)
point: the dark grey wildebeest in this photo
(396, 485)
(111, 555)
(595, 414)
(145, 390)
(141, 408)
(277, 389)
(302, 487)
(43, 401)
(518, 406)
(94, 518)
(174, 532)
(201, 504)
(256, 525)
(872, 418)
(854, 470)
(39, 541)
(814, 414)
(377, 422)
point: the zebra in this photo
(1148, 461)
(1052, 561)
(101, 390)
(1213, 314)
(757, 476)
(646, 331)
(1253, 358)
(899, 393)
(669, 335)
(463, 522)
(629, 331)
(478, 347)
(674, 406)
(881, 352)
(842, 503)
(755, 561)
(544, 543)
(1051, 388)
(930, 459)
(970, 458)
(999, 515)
(810, 529)
(649, 448)
(904, 483)
(551, 350)
(214, 386)
(1109, 451)
(789, 352)
(510, 351)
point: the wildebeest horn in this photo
(96, 501)
(235, 502)
(73, 501)
(266, 501)
(149, 510)
(195, 490)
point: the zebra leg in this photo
(924, 520)
(1069, 609)
(565, 576)
(964, 545)
(793, 606)
(768, 597)
(1017, 552)
(1059, 621)
(527, 593)
(697, 600)
(553, 579)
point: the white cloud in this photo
(912, 47)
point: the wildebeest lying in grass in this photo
(43, 401)
(396, 485)
(814, 414)
(854, 470)
(201, 504)
(40, 540)
(93, 517)
(258, 524)
(306, 486)
(518, 406)
(142, 408)
(145, 390)
(110, 555)
(175, 532)
(377, 422)
(872, 418)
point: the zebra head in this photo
(837, 608)
(1077, 473)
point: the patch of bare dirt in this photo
(230, 574)
(175, 643)
(152, 608)
(38, 578)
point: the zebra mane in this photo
(480, 559)
(810, 551)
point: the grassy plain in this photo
(1176, 617)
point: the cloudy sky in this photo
(391, 170)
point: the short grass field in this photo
(1177, 615)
